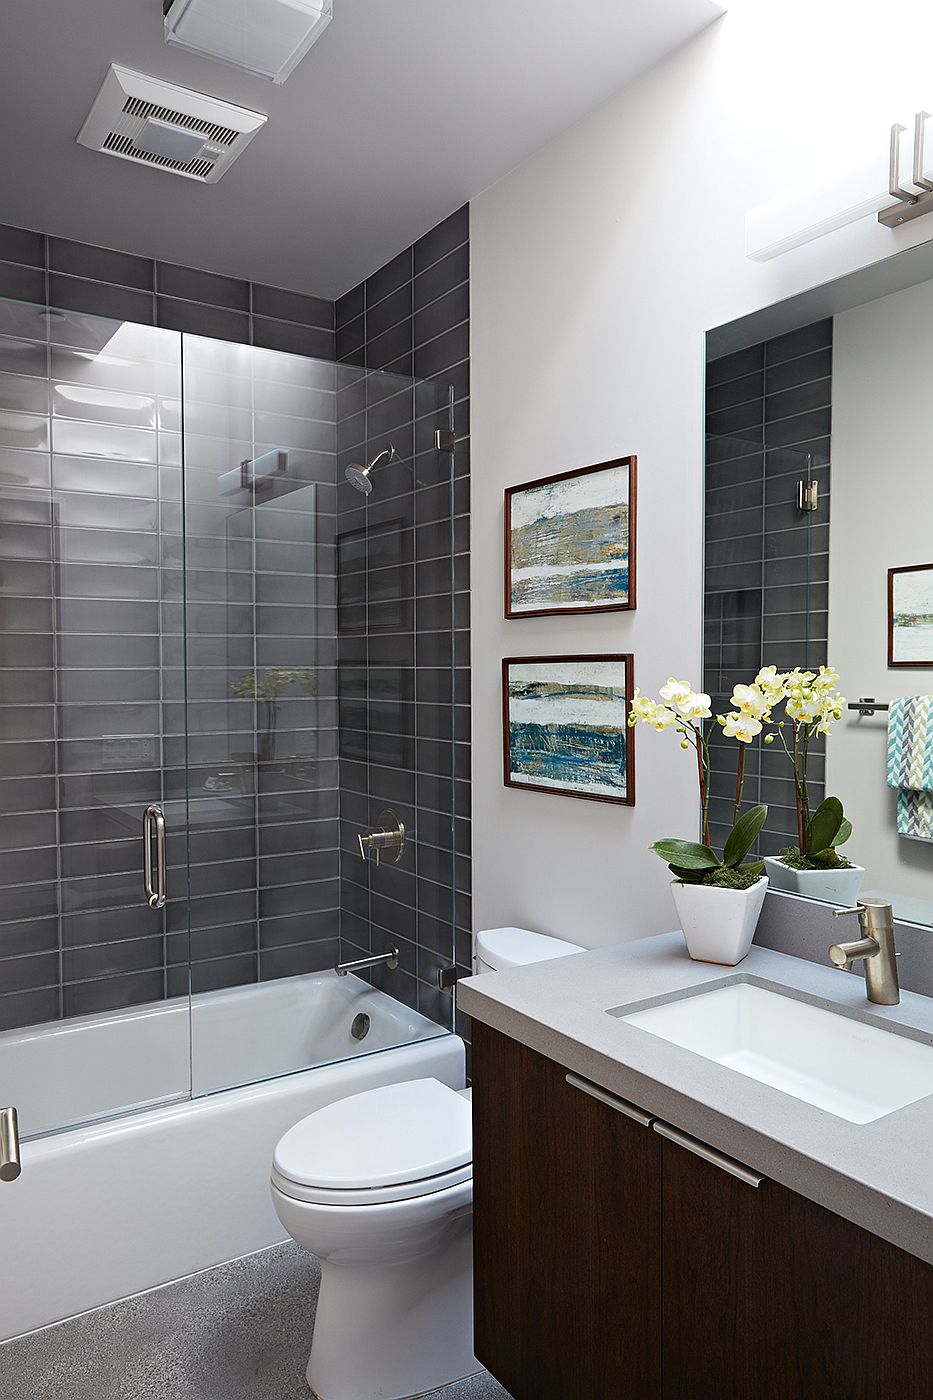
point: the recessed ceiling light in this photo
(268, 37)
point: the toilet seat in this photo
(395, 1143)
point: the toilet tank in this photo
(498, 948)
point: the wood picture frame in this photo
(914, 651)
(596, 558)
(569, 756)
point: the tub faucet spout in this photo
(389, 959)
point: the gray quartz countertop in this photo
(877, 1174)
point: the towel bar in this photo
(867, 705)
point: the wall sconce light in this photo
(877, 185)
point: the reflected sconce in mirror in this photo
(896, 185)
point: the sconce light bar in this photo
(876, 185)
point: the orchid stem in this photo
(739, 783)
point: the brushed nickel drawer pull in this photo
(709, 1154)
(638, 1115)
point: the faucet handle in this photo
(856, 909)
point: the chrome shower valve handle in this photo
(387, 843)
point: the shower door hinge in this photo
(447, 978)
(808, 495)
(444, 440)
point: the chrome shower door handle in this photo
(155, 893)
(10, 1164)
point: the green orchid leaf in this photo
(686, 855)
(824, 826)
(689, 877)
(844, 832)
(752, 867)
(744, 835)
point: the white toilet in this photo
(379, 1187)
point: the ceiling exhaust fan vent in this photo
(167, 127)
(135, 107)
(123, 146)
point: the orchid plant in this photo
(812, 703)
(683, 710)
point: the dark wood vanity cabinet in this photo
(612, 1264)
(567, 1242)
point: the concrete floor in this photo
(238, 1332)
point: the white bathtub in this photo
(105, 1210)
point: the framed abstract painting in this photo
(570, 542)
(565, 726)
(910, 616)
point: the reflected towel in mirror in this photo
(910, 764)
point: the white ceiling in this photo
(403, 110)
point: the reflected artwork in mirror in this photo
(910, 616)
(818, 389)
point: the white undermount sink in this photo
(844, 1066)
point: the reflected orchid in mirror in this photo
(813, 703)
(266, 687)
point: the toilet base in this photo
(396, 1330)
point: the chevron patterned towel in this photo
(910, 764)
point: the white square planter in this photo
(719, 924)
(840, 886)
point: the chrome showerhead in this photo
(358, 476)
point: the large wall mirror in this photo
(819, 552)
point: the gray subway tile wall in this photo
(403, 614)
(259, 719)
(102, 282)
(93, 686)
(768, 425)
(81, 755)
(93, 689)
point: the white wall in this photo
(597, 266)
(881, 517)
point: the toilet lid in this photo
(385, 1137)
(500, 948)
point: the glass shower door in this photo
(261, 714)
(90, 513)
(300, 717)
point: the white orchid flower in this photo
(749, 700)
(772, 684)
(663, 719)
(827, 680)
(770, 678)
(830, 711)
(804, 707)
(675, 691)
(695, 706)
(643, 707)
(741, 727)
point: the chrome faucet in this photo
(875, 948)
